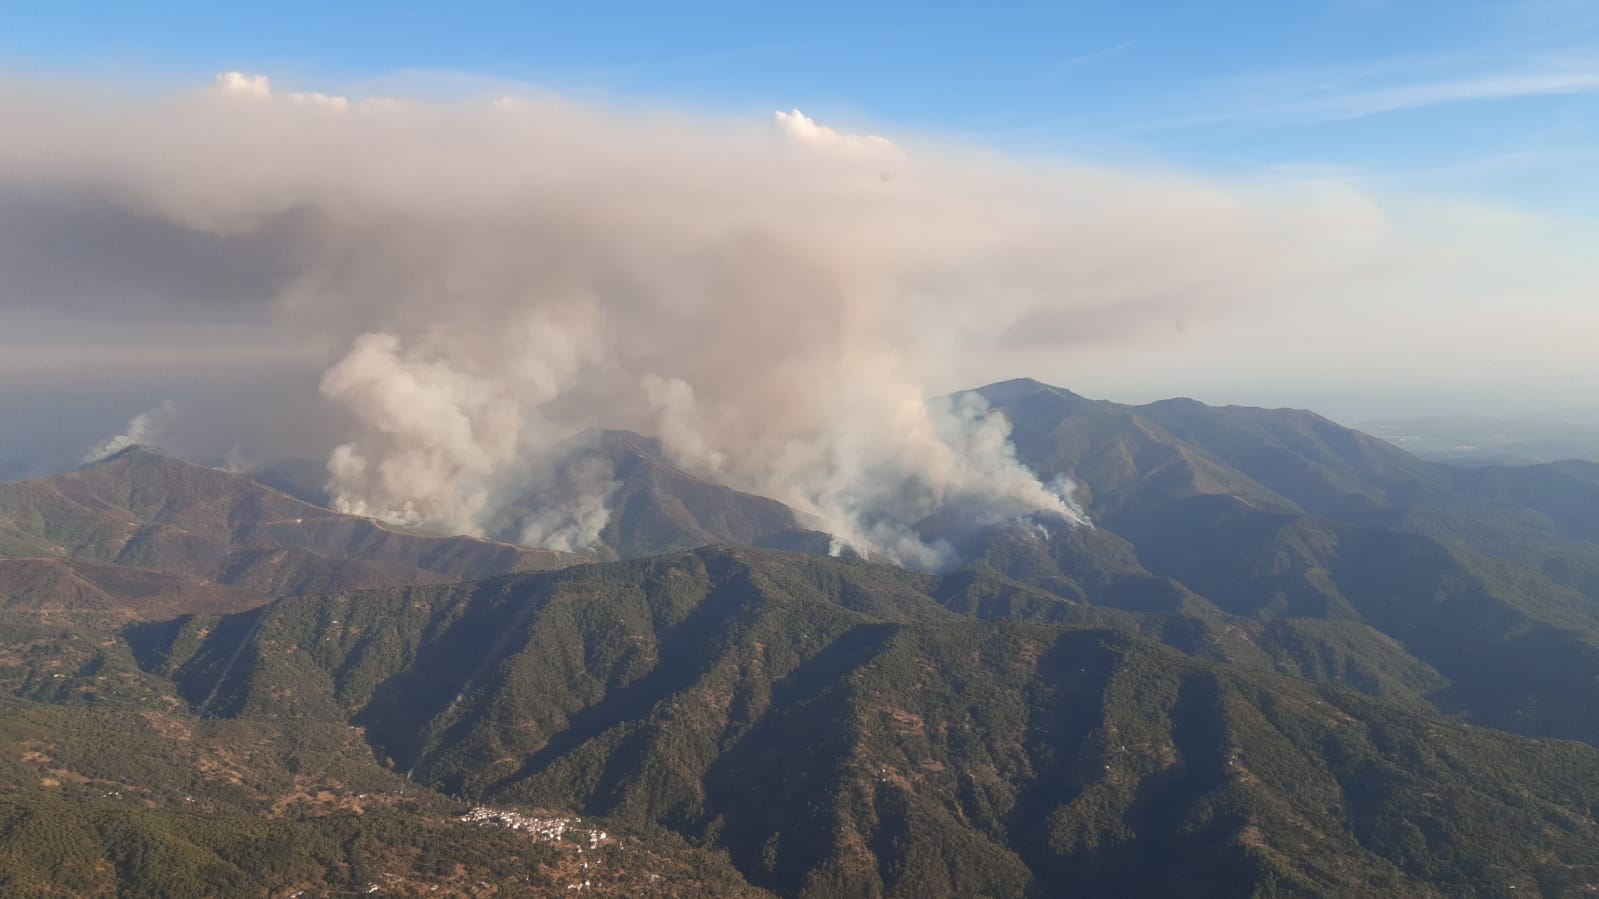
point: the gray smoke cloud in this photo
(487, 276)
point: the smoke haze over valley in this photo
(438, 293)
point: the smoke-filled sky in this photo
(431, 284)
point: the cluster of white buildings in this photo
(542, 830)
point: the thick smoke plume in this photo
(774, 299)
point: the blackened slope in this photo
(139, 509)
(78, 593)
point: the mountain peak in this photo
(132, 451)
(1002, 392)
(1186, 403)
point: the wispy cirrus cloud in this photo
(1388, 88)
(1501, 86)
(1090, 57)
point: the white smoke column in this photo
(144, 429)
(445, 419)
(572, 506)
(985, 461)
(448, 430)
(887, 464)
(775, 299)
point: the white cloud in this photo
(259, 87)
(242, 85)
(801, 127)
(325, 101)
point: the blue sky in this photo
(1496, 101)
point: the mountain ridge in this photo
(184, 523)
(901, 749)
(1286, 660)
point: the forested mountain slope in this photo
(840, 731)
